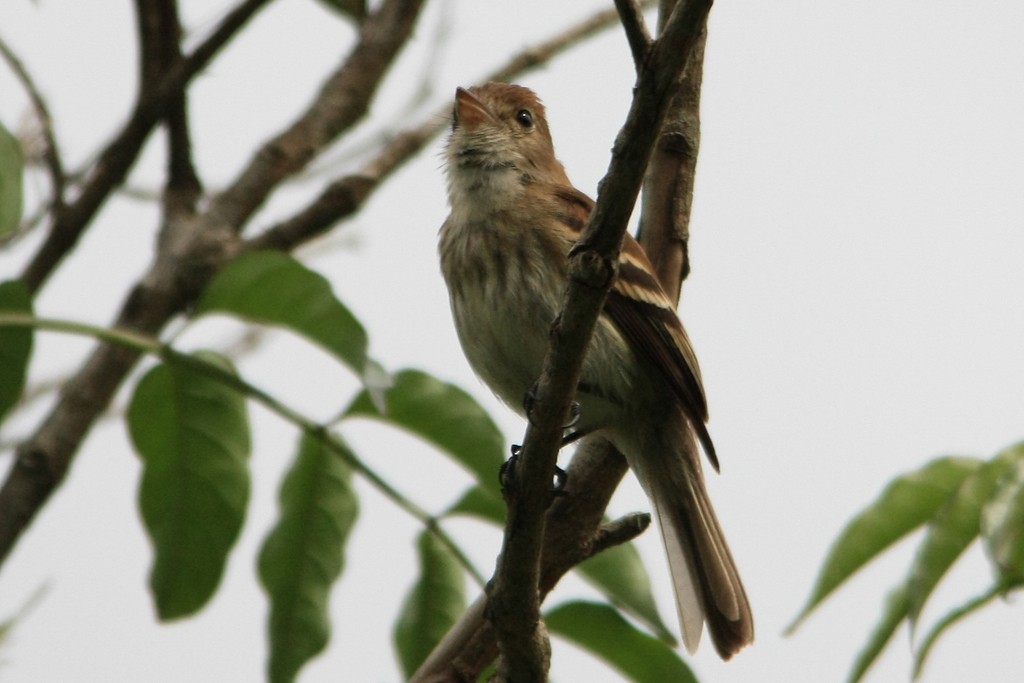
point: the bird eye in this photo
(525, 118)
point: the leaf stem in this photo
(169, 354)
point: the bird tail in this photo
(706, 582)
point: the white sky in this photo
(858, 243)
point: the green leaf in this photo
(955, 526)
(906, 503)
(621, 576)
(1002, 525)
(304, 554)
(192, 432)
(274, 288)
(11, 165)
(894, 612)
(15, 345)
(432, 607)
(445, 416)
(601, 630)
(481, 503)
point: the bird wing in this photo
(646, 317)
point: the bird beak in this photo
(469, 111)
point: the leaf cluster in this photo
(953, 500)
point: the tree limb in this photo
(342, 102)
(667, 197)
(160, 47)
(574, 533)
(639, 38)
(51, 154)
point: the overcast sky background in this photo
(855, 302)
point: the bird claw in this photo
(530, 401)
(575, 413)
(507, 473)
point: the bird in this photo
(504, 247)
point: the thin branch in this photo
(160, 46)
(154, 347)
(345, 196)
(159, 33)
(668, 187)
(538, 55)
(51, 154)
(342, 102)
(183, 188)
(637, 35)
(119, 156)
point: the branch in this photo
(154, 347)
(160, 47)
(514, 600)
(51, 154)
(668, 187)
(539, 54)
(342, 102)
(637, 34)
(594, 474)
(120, 154)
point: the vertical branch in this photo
(160, 51)
(668, 186)
(515, 599)
(572, 528)
(635, 28)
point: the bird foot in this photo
(507, 473)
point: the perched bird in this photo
(504, 256)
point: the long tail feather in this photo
(706, 582)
